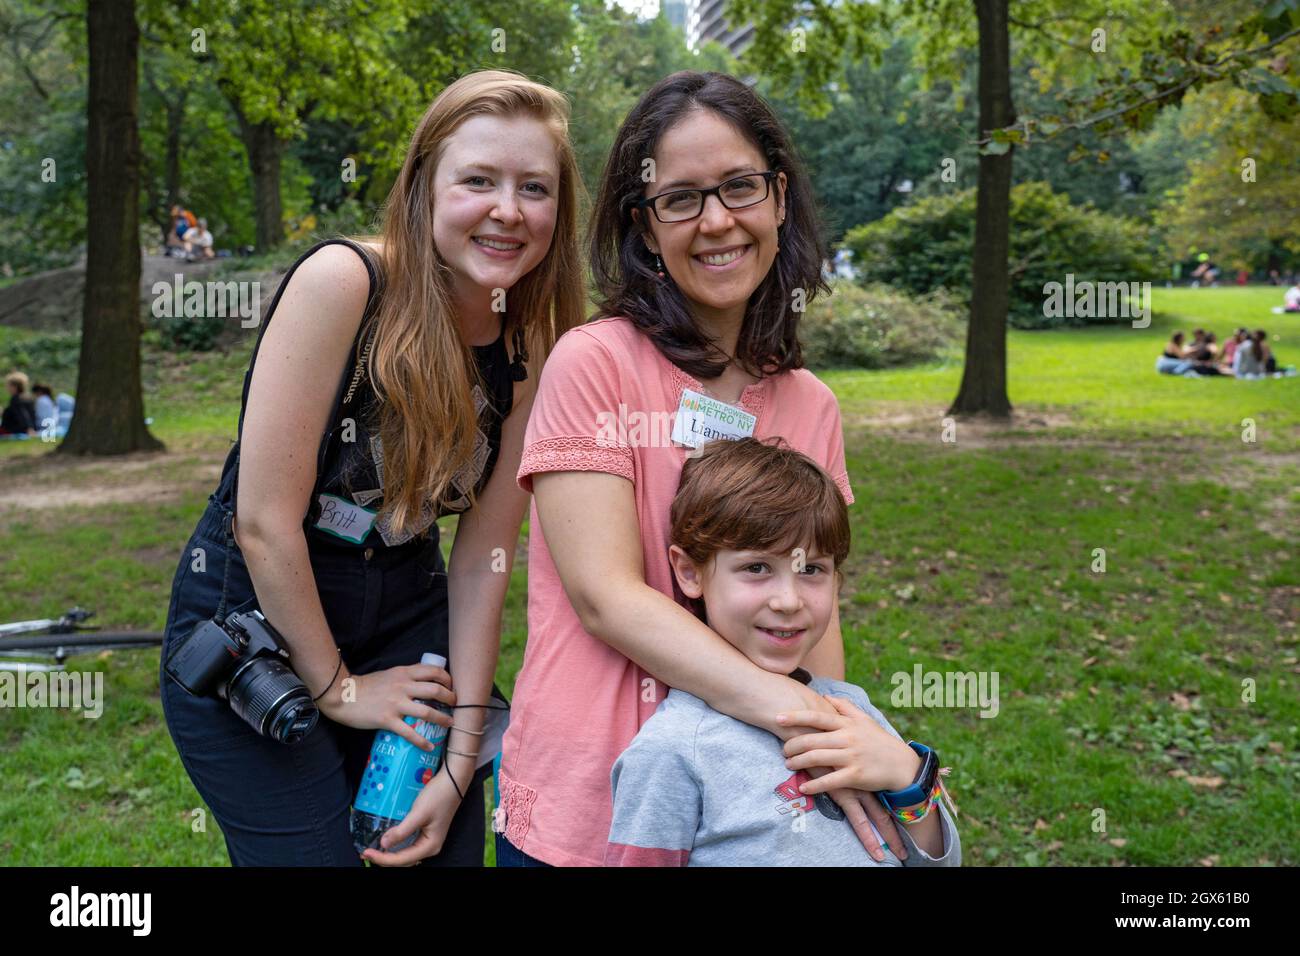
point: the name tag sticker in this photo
(702, 419)
(343, 519)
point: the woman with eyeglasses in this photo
(705, 249)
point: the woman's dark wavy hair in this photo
(622, 267)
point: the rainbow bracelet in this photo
(919, 812)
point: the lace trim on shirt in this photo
(517, 802)
(842, 482)
(577, 453)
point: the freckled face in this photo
(495, 201)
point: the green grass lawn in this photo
(1120, 691)
(1103, 379)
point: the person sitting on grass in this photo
(1291, 299)
(19, 417)
(66, 405)
(53, 414)
(758, 534)
(1205, 357)
(1265, 352)
(1249, 363)
(182, 220)
(1266, 359)
(1256, 359)
(1228, 358)
(198, 242)
(1173, 360)
(47, 413)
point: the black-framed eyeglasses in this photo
(683, 204)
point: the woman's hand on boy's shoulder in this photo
(863, 810)
(860, 753)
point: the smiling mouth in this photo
(722, 259)
(783, 635)
(497, 244)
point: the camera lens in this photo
(270, 697)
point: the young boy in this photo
(758, 534)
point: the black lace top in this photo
(354, 469)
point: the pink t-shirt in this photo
(578, 702)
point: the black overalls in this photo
(385, 599)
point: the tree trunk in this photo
(264, 148)
(984, 378)
(110, 405)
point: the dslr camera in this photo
(243, 660)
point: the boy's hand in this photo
(860, 753)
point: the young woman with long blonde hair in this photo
(430, 337)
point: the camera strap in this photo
(226, 525)
(347, 408)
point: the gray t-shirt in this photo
(698, 788)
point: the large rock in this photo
(48, 302)
(52, 301)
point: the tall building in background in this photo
(675, 12)
(705, 21)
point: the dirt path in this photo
(46, 482)
(908, 421)
(49, 482)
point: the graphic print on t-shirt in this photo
(792, 801)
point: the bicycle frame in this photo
(69, 623)
(64, 637)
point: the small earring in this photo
(659, 266)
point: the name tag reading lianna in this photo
(702, 418)
(343, 519)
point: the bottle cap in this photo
(437, 660)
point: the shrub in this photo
(197, 333)
(41, 355)
(927, 245)
(877, 326)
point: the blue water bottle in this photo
(395, 774)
